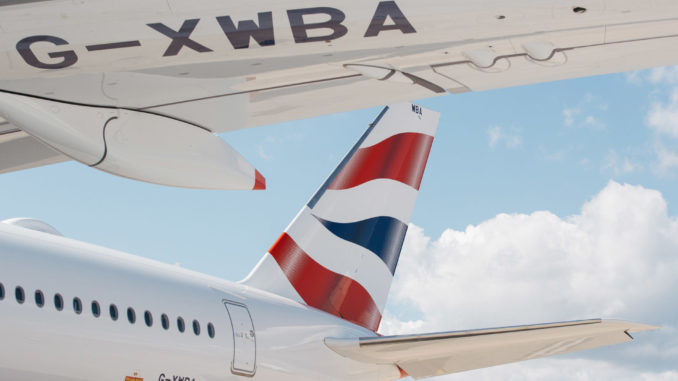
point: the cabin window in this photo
(19, 294)
(2, 292)
(77, 306)
(39, 298)
(113, 310)
(96, 310)
(58, 302)
(131, 316)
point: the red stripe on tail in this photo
(324, 289)
(401, 157)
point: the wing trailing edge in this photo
(435, 354)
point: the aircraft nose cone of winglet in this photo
(259, 181)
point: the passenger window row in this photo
(20, 297)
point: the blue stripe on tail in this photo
(383, 236)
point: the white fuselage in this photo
(47, 343)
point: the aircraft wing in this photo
(18, 150)
(180, 71)
(435, 354)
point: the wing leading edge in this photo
(434, 354)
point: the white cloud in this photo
(569, 114)
(663, 117)
(634, 77)
(587, 105)
(663, 75)
(391, 325)
(667, 160)
(593, 122)
(496, 135)
(514, 141)
(262, 153)
(619, 166)
(562, 370)
(617, 258)
(667, 75)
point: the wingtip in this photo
(631, 327)
(259, 181)
(642, 328)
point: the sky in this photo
(540, 203)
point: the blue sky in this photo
(552, 147)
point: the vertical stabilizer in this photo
(340, 252)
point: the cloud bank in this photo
(617, 258)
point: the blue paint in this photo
(383, 236)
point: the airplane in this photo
(140, 89)
(309, 310)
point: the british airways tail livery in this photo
(340, 252)
(308, 311)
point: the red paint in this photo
(403, 374)
(324, 289)
(259, 181)
(401, 157)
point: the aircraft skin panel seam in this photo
(103, 157)
(367, 341)
(105, 107)
(12, 131)
(254, 91)
(417, 80)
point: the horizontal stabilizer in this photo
(435, 354)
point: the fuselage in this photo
(75, 311)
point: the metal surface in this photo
(4, 3)
(227, 66)
(428, 355)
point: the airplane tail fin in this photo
(340, 252)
